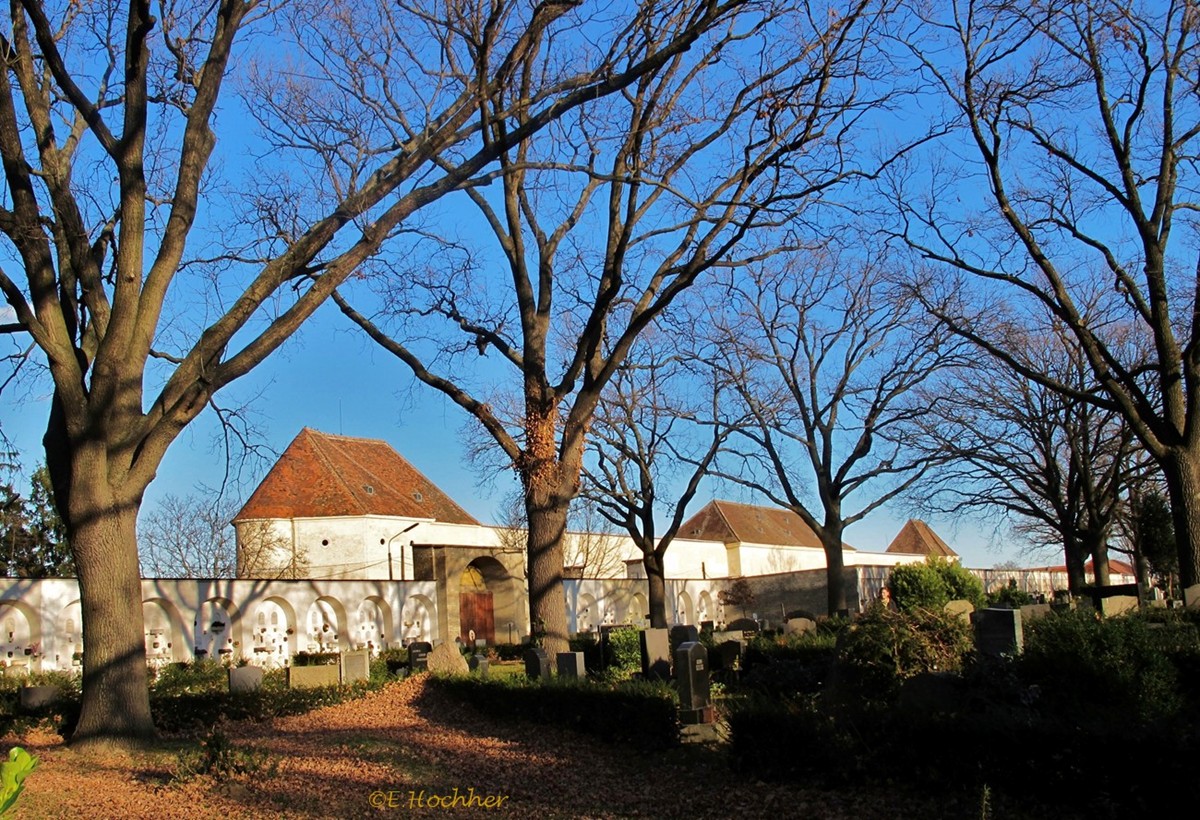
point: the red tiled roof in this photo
(918, 538)
(729, 522)
(320, 475)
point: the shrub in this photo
(624, 652)
(1009, 596)
(315, 658)
(639, 713)
(932, 584)
(217, 757)
(884, 648)
(1090, 667)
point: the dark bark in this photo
(656, 590)
(835, 575)
(1182, 473)
(547, 602)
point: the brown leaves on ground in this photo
(404, 751)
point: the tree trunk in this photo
(1075, 559)
(116, 701)
(1182, 473)
(835, 566)
(547, 602)
(657, 590)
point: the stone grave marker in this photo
(478, 664)
(1191, 597)
(656, 654)
(311, 677)
(571, 665)
(799, 626)
(961, 608)
(418, 655)
(32, 698)
(245, 679)
(681, 634)
(356, 665)
(537, 663)
(1031, 612)
(1118, 605)
(727, 655)
(747, 626)
(998, 632)
(446, 658)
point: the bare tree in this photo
(144, 305)
(188, 537)
(603, 222)
(1063, 467)
(1078, 122)
(827, 357)
(653, 440)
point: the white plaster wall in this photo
(686, 558)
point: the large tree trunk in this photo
(1075, 558)
(1182, 473)
(656, 590)
(835, 575)
(102, 532)
(547, 602)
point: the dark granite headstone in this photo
(998, 632)
(478, 664)
(727, 655)
(656, 654)
(681, 634)
(571, 665)
(537, 663)
(418, 655)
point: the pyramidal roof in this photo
(730, 522)
(918, 538)
(321, 475)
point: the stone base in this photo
(699, 733)
(693, 717)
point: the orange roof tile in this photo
(729, 522)
(918, 538)
(321, 475)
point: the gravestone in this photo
(998, 632)
(1118, 605)
(799, 626)
(311, 677)
(707, 627)
(691, 677)
(681, 634)
(537, 663)
(446, 659)
(727, 655)
(32, 698)
(1191, 597)
(961, 608)
(478, 664)
(571, 665)
(356, 665)
(1031, 612)
(656, 654)
(245, 679)
(418, 655)
(747, 626)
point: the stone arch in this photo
(704, 608)
(164, 631)
(70, 631)
(218, 629)
(325, 626)
(416, 620)
(20, 633)
(487, 598)
(587, 614)
(372, 624)
(274, 635)
(684, 613)
(636, 614)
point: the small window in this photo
(368, 489)
(418, 497)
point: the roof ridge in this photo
(319, 448)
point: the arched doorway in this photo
(476, 612)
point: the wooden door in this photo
(475, 612)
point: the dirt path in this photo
(410, 751)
